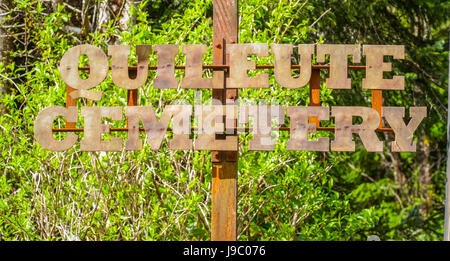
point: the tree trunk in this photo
(103, 15)
(125, 16)
(6, 44)
(119, 10)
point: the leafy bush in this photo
(165, 195)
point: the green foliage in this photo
(165, 195)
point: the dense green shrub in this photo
(165, 195)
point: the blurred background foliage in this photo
(165, 195)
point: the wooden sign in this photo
(212, 119)
(220, 121)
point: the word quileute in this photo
(239, 65)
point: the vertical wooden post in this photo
(314, 93)
(132, 95)
(377, 103)
(224, 164)
(70, 102)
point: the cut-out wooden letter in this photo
(119, 71)
(98, 69)
(262, 124)
(210, 120)
(194, 69)
(404, 134)
(165, 73)
(239, 66)
(338, 63)
(155, 129)
(375, 67)
(344, 128)
(43, 125)
(93, 129)
(282, 56)
(300, 128)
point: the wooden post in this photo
(377, 103)
(314, 93)
(224, 164)
(70, 102)
(132, 95)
